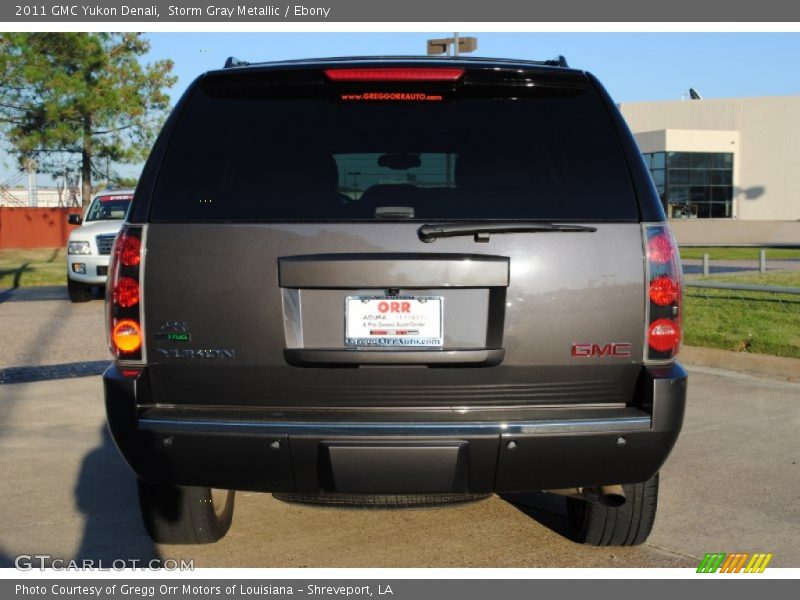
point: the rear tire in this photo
(175, 514)
(378, 501)
(78, 292)
(594, 524)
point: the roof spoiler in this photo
(560, 61)
(232, 61)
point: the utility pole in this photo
(33, 199)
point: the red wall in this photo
(35, 227)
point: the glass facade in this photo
(693, 184)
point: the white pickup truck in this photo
(89, 246)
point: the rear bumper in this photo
(399, 452)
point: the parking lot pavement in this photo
(39, 326)
(730, 485)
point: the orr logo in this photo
(394, 307)
(589, 350)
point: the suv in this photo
(394, 281)
(89, 246)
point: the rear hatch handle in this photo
(430, 232)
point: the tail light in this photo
(395, 74)
(664, 301)
(123, 297)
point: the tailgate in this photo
(264, 316)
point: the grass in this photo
(40, 266)
(782, 278)
(744, 321)
(728, 253)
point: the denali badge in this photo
(203, 353)
(175, 327)
(613, 349)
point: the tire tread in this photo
(78, 293)
(595, 524)
(183, 514)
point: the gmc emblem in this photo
(614, 349)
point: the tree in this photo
(126, 182)
(85, 96)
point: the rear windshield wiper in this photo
(482, 231)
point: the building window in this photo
(693, 184)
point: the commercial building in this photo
(734, 159)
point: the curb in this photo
(764, 365)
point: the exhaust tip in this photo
(607, 495)
(612, 495)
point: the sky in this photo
(632, 66)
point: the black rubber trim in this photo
(309, 357)
(345, 501)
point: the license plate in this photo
(393, 321)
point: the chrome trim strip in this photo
(415, 270)
(378, 429)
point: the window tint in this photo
(496, 153)
(361, 172)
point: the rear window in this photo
(243, 152)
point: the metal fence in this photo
(741, 287)
(783, 295)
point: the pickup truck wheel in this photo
(379, 501)
(628, 525)
(175, 514)
(78, 292)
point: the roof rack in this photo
(232, 61)
(560, 61)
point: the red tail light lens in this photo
(126, 292)
(664, 335)
(664, 310)
(663, 290)
(123, 300)
(130, 250)
(660, 249)
(395, 74)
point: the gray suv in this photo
(391, 282)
